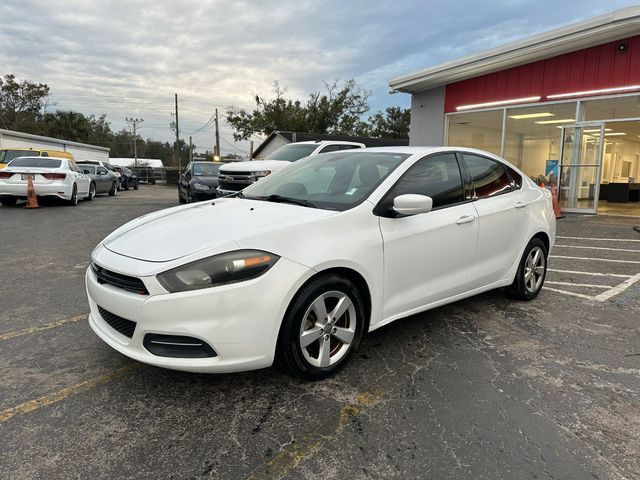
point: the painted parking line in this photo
(55, 397)
(40, 328)
(593, 274)
(600, 239)
(618, 289)
(566, 292)
(595, 259)
(572, 284)
(634, 250)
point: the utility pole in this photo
(178, 138)
(190, 150)
(217, 136)
(134, 122)
(251, 150)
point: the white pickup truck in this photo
(235, 176)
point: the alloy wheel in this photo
(534, 269)
(328, 329)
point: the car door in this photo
(428, 257)
(502, 217)
(104, 181)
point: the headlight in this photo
(262, 173)
(220, 269)
(199, 186)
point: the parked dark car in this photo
(198, 182)
(105, 180)
(128, 179)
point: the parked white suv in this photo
(235, 176)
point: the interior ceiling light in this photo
(499, 102)
(594, 92)
(531, 115)
(614, 134)
(596, 130)
(549, 122)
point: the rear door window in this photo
(490, 178)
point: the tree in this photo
(22, 104)
(394, 123)
(68, 125)
(337, 110)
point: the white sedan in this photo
(51, 177)
(297, 267)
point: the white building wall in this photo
(427, 118)
(277, 142)
(80, 151)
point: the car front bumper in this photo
(240, 321)
(201, 195)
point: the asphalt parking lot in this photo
(485, 388)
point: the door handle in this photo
(465, 219)
(521, 204)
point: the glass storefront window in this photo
(481, 130)
(611, 108)
(533, 138)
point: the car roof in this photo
(324, 142)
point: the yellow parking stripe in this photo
(40, 328)
(33, 405)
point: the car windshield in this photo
(36, 162)
(205, 169)
(7, 155)
(332, 181)
(292, 152)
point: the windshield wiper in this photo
(282, 199)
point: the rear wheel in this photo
(8, 201)
(114, 189)
(135, 186)
(73, 201)
(322, 328)
(180, 199)
(531, 272)
(92, 191)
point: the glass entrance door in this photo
(580, 161)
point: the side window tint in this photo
(437, 177)
(348, 147)
(489, 177)
(330, 148)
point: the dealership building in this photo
(563, 107)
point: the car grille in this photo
(236, 187)
(236, 174)
(119, 324)
(130, 284)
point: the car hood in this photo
(253, 166)
(180, 231)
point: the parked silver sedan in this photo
(105, 181)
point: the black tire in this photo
(289, 352)
(180, 199)
(73, 201)
(114, 189)
(135, 186)
(527, 286)
(125, 186)
(92, 192)
(188, 197)
(8, 201)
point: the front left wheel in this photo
(323, 326)
(92, 192)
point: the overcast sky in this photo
(128, 58)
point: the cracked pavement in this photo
(485, 388)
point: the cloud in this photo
(128, 58)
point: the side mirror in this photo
(412, 204)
